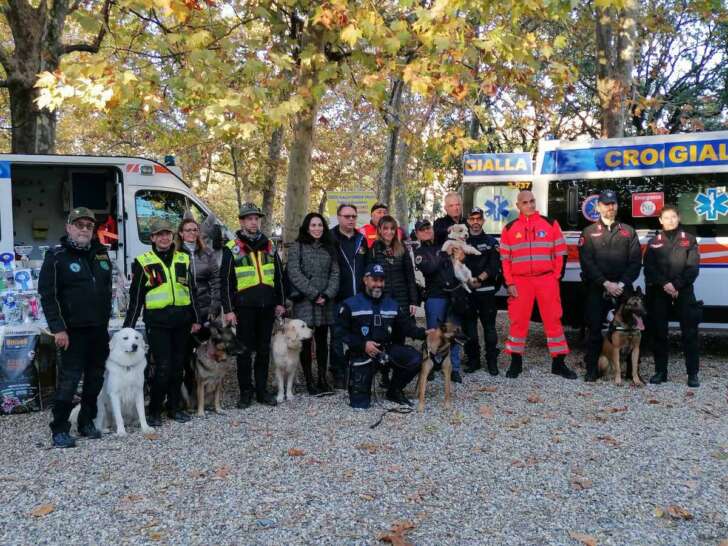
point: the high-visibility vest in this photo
(252, 268)
(172, 291)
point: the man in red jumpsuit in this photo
(379, 210)
(533, 254)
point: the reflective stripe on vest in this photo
(252, 269)
(171, 292)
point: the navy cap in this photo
(422, 224)
(477, 210)
(374, 270)
(607, 196)
(376, 206)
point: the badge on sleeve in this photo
(418, 260)
(75, 267)
(541, 234)
(365, 331)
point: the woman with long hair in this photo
(399, 281)
(313, 271)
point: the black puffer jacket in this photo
(436, 268)
(75, 286)
(399, 280)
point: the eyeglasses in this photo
(348, 216)
(84, 225)
(191, 230)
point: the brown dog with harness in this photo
(623, 339)
(437, 344)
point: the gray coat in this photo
(318, 276)
(205, 268)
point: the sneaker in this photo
(493, 368)
(63, 440)
(693, 380)
(89, 431)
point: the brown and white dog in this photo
(623, 339)
(288, 336)
(438, 343)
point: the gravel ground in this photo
(537, 460)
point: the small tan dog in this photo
(438, 343)
(288, 336)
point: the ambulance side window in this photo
(151, 204)
(702, 202)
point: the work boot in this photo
(693, 380)
(154, 420)
(323, 384)
(339, 382)
(266, 399)
(308, 376)
(398, 397)
(659, 377)
(245, 400)
(63, 439)
(559, 368)
(493, 367)
(455, 377)
(474, 367)
(89, 431)
(516, 367)
(180, 416)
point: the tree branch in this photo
(94, 46)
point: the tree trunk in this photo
(392, 116)
(401, 204)
(270, 177)
(299, 171)
(33, 130)
(616, 35)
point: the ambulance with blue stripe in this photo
(686, 170)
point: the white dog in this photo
(122, 395)
(288, 337)
(457, 248)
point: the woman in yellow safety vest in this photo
(163, 286)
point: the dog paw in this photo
(147, 430)
(280, 398)
(200, 414)
(121, 433)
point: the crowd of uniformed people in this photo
(358, 290)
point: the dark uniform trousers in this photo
(254, 330)
(337, 353)
(597, 307)
(659, 309)
(483, 308)
(170, 349)
(405, 362)
(86, 355)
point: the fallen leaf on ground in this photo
(609, 440)
(689, 394)
(132, 498)
(152, 436)
(584, 394)
(653, 401)
(366, 497)
(677, 512)
(486, 411)
(396, 535)
(723, 542)
(295, 452)
(617, 410)
(579, 483)
(369, 448)
(489, 388)
(588, 540)
(42, 510)
(534, 398)
(155, 535)
(222, 472)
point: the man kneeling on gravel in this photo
(368, 319)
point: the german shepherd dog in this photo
(623, 339)
(212, 361)
(438, 344)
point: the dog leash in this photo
(403, 410)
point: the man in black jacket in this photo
(453, 215)
(486, 270)
(75, 292)
(672, 263)
(610, 258)
(351, 249)
(252, 296)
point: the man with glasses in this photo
(75, 292)
(351, 249)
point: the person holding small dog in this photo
(368, 320)
(533, 256)
(611, 259)
(313, 271)
(75, 292)
(252, 296)
(454, 215)
(163, 286)
(486, 270)
(672, 263)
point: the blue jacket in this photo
(352, 253)
(367, 319)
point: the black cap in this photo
(374, 270)
(607, 197)
(422, 224)
(477, 210)
(376, 206)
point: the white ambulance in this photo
(125, 193)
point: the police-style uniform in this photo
(250, 285)
(483, 301)
(75, 291)
(163, 287)
(364, 318)
(606, 253)
(673, 257)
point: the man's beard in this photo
(375, 293)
